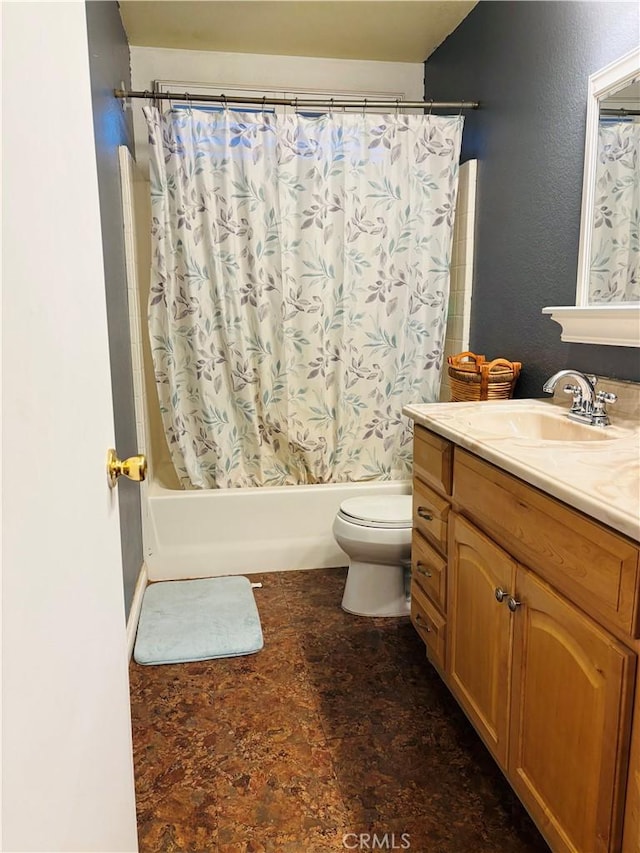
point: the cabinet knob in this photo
(420, 569)
(423, 512)
(423, 622)
(500, 594)
(512, 604)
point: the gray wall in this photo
(109, 64)
(528, 63)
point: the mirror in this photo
(607, 309)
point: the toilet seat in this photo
(393, 512)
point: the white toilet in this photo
(375, 533)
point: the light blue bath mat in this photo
(184, 621)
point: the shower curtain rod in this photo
(620, 112)
(361, 103)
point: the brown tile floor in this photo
(339, 725)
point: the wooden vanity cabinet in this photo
(547, 683)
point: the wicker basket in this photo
(473, 378)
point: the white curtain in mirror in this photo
(615, 250)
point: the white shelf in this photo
(608, 325)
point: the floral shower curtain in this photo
(299, 289)
(615, 252)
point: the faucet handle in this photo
(577, 396)
(606, 397)
(599, 416)
(592, 379)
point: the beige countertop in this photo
(600, 477)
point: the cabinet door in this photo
(479, 639)
(631, 838)
(570, 709)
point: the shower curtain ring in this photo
(430, 106)
(224, 102)
(295, 106)
(364, 107)
(460, 113)
(331, 106)
(155, 100)
(397, 107)
(264, 101)
(151, 97)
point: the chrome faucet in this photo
(588, 406)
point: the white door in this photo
(67, 761)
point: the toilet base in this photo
(375, 590)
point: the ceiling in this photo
(393, 31)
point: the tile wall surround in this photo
(461, 281)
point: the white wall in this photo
(266, 73)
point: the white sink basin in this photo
(535, 425)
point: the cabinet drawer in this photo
(430, 513)
(592, 565)
(433, 459)
(429, 571)
(429, 624)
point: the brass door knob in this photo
(135, 467)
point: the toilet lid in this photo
(392, 511)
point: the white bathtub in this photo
(204, 533)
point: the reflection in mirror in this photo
(607, 306)
(614, 269)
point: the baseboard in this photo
(134, 610)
